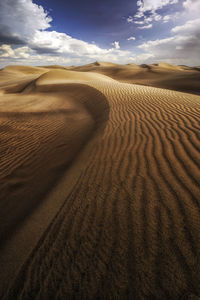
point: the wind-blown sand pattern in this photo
(129, 226)
(163, 75)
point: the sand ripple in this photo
(130, 227)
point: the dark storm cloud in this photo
(45, 50)
(11, 40)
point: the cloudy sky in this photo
(75, 32)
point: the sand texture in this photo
(178, 78)
(99, 183)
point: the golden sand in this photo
(99, 183)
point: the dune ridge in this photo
(129, 228)
(163, 75)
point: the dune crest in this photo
(162, 75)
(24, 69)
(62, 76)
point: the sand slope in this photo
(179, 78)
(130, 226)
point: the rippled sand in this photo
(99, 185)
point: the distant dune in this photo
(162, 75)
(99, 182)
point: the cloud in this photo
(116, 45)
(153, 5)
(166, 18)
(146, 26)
(190, 27)
(147, 11)
(181, 48)
(131, 38)
(192, 5)
(19, 20)
(141, 58)
(156, 17)
(6, 51)
(129, 19)
(148, 19)
(139, 22)
(139, 14)
(28, 56)
(25, 39)
(13, 40)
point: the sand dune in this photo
(162, 75)
(117, 167)
(63, 76)
(15, 78)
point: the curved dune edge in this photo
(129, 229)
(161, 75)
(64, 123)
(62, 76)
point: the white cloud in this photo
(21, 18)
(189, 27)
(129, 19)
(116, 45)
(27, 56)
(146, 26)
(139, 22)
(192, 5)
(131, 38)
(147, 10)
(166, 18)
(62, 43)
(6, 51)
(139, 14)
(156, 17)
(148, 19)
(153, 5)
(23, 52)
(181, 48)
(141, 58)
(150, 44)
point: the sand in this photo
(99, 184)
(163, 75)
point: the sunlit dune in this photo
(24, 69)
(99, 182)
(163, 75)
(63, 76)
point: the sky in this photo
(78, 32)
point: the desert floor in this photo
(99, 182)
